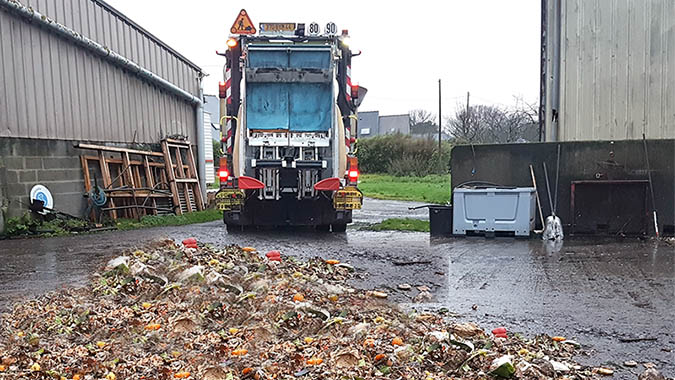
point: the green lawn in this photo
(404, 224)
(430, 189)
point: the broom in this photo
(553, 229)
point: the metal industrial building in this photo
(371, 124)
(80, 71)
(608, 69)
(607, 78)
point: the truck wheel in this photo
(339, 227)
(323, 228)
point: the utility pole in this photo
(467, 123)
(468, 108)
(439, 118)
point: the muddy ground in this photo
(616, 297)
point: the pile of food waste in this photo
(190, 311)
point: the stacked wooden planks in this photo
(136, 183)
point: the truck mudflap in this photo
(230, 199)
(349, 198)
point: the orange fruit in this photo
(182, 375)
(314, 361)
(332, 262)
(298, 298)
(558, 338)
(246, 371)
(397, 341)
(240, 352)
(153, 326)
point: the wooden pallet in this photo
(134, 181)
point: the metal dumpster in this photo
(440, 220)
(494, 210)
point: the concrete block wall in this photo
(508, 164)
(52, 163)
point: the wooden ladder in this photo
(182, 176)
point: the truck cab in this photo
(288, 110)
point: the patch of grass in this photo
(431, 189)
(215, 185)
(402, 224)
(170, 220)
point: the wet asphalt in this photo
(615, 296)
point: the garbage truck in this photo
(288, 122)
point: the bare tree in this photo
(492, 124)
(422, 123)
(420, 116)
(466, 126)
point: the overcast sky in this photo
(487, 47)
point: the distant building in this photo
(372, 124)
(369, 124)
(212, 106)
(391, 124)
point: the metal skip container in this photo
(494, 210)
(440, 220)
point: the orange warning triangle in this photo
(243, 24)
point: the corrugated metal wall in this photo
(50, 88)
(617, 69)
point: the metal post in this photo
(201, 147)
(440, 118)
(468, 110)
(542, 70)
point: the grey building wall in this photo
(369, 124)
(610, 69)
(395, 124)
(52, 163)
(54, 94)
(52, 89)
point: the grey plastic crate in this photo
(494, 210)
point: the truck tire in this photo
(339, 227)
(323, 228)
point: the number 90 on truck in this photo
(288, 121)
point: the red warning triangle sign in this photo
(243, 24)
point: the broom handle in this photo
(534, 182)
(548, 189)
